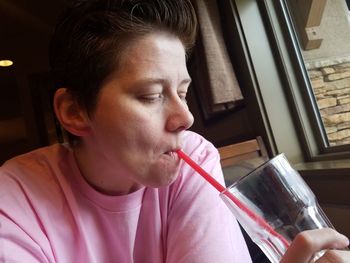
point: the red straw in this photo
(259, 220)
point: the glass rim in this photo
(261, 166)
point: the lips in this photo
(172, 153)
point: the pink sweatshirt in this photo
(48, 213)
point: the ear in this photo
(70, 114)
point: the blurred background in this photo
(25, 30)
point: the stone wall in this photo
(331, 86)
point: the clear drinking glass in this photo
(276, 193)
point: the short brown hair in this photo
(91, 36)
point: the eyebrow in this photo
(146, 81)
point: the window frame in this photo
(261, 82)
(322, 150)
(302, 113)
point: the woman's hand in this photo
(307, 243)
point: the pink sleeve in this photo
(18, 243)
(200, 227)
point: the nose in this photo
(179, 117)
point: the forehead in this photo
(153, 52)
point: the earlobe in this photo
(70, 114)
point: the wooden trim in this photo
(238, 149)
(307, 15)
(315, 12)
(234, 153)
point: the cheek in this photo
(132, 123)
(143, 126)
(133, 133)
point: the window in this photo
(310, 42)
(280, 92)
(323, 31)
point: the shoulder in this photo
(33, 162)
(204, 154)
(32, 201)
(32, 174)
(199, 148)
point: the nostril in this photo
(179, 118)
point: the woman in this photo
(119, 193)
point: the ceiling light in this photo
(5, 63)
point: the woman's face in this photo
(141, 112)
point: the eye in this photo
(182, 96)
(151, 98)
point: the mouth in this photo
(171, 153)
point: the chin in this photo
(160, 174)
(162, 179)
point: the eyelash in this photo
(182, 96)
(151, 98)
(155, 97)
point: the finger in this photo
(307, 243)
(335, 256)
